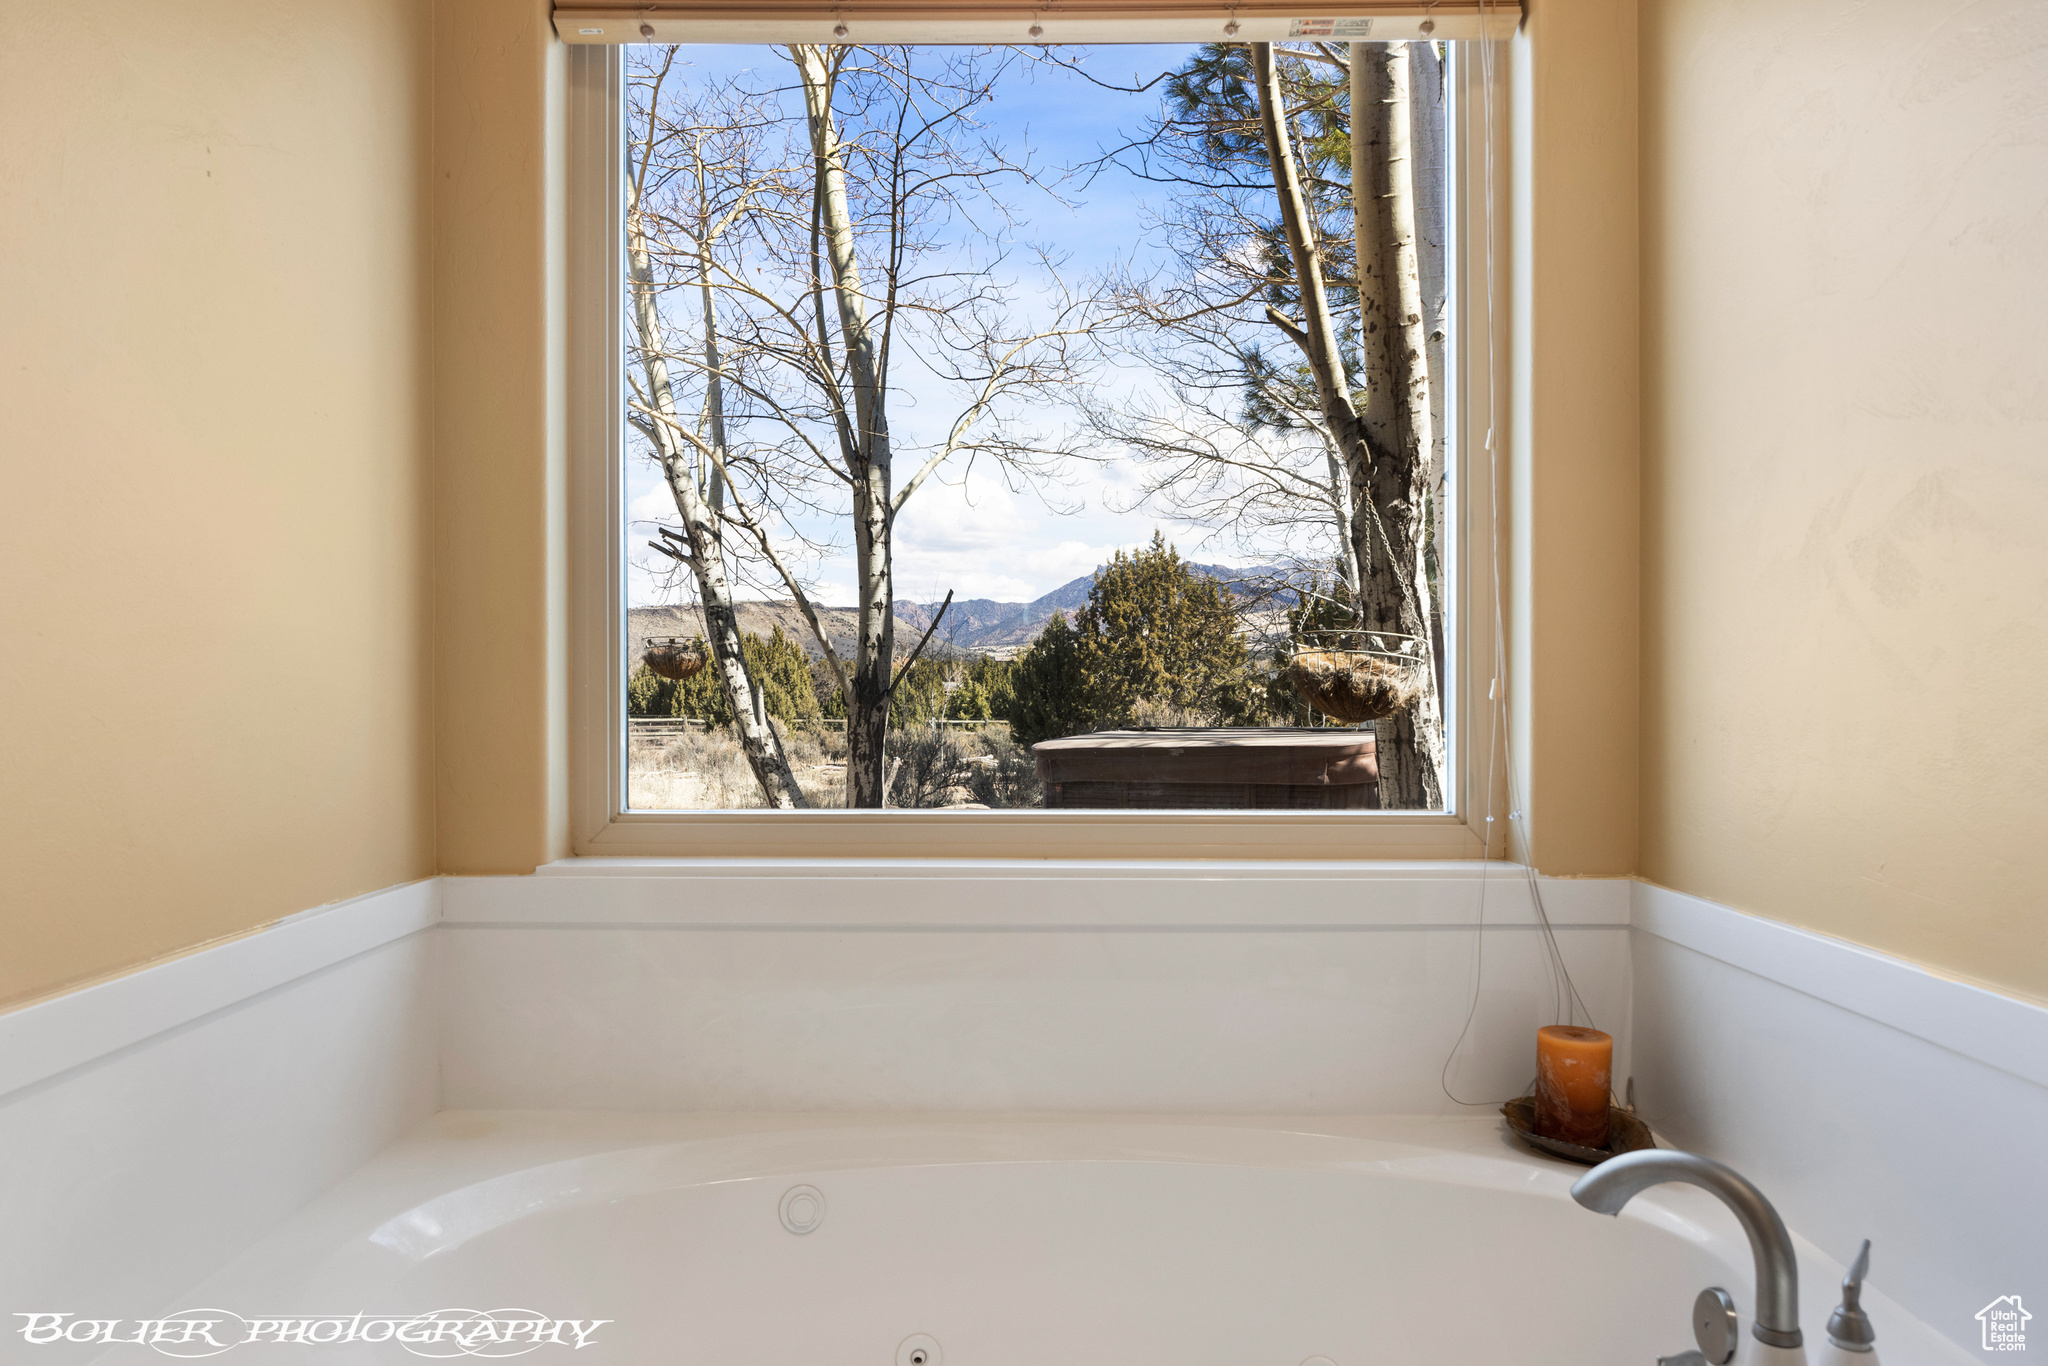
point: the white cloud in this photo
(983, 539)
(980, 540)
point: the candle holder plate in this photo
(1626, 1133)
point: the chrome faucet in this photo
(1615, 1182)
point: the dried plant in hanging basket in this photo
(675, 658)
(1356, 685)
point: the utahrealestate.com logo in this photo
(209, 1332)
(2005, 1324)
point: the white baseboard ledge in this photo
(973, 895)
(1986, 1026)
(51, 1036)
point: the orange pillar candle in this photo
(1574, 1072)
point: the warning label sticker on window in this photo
(1329, 28)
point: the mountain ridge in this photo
(972, 626)
(981, 624)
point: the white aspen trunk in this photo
(1316, 332)
(1340, 506)
(714, 383)
(1393, 484)
(758, 739)
(1385, 448)
(1430, 128)
(867, 701)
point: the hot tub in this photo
(982, 1243)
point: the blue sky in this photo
(976, 537)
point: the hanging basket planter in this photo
(1357, 683)
(672, 657)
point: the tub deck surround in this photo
(159, 1122)
(1972, 1021)
(1005, 987)
(44, 1038)
(123, 1178)
(1867, 1097)
(1038, 893)
(47, 1037)
(1116, 1239)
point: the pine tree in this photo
(985, 692)
(919, 695)
(1153, 632)
(777, 665)
(1049, 686)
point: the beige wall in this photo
(1845, 499)
(1572, 428)
(230, 294)
(500, 447)
(213, 535)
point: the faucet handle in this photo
(1716, 1327)
(1683, 1359)
(1849, 1327)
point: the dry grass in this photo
(1147, 713)
(705, 770)
(696, 771)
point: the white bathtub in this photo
(1012, 1243)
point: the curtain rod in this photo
(1107, 21)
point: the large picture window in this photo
(1009, 431)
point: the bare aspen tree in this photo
(864, 250)
(922, 156)
(1236, 442)
(690, 453)
(1386, 443)
(863, 434)
(1429, 128)
(1277, 166)
(1202, 462)
(874, 257)
(725, 178)
(1390, 466)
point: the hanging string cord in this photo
(1496, 702)
(1565, 996)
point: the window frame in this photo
(601, 824)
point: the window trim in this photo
(600, 824)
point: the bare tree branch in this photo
(922, 640)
